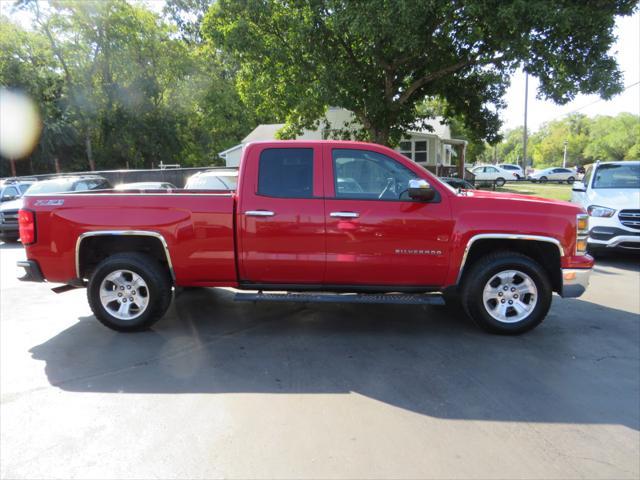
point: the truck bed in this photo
(196, 227)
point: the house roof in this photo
(265, 131)
(229, 150)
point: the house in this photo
(432, 149)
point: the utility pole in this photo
(524, 135)
(564, 157)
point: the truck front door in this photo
(376, 234)
(280, 215)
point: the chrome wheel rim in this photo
(510, 296)
(124, 294)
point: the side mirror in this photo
(420, 189)
(579, 187)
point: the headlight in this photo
(598, 211)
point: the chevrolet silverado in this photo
(312, 221)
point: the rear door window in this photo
(286, 173)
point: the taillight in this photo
(27, 226)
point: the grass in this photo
(556, 191)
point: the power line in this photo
(592, 103)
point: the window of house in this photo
(362, 174)
(416, 150)
(420, 151)
(406, 149)
(286, 172)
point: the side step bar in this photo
(389, 298)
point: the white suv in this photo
(610, 192)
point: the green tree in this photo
(548, 142)
(380, 59)
(27, 64)
(510, 149)
(614, 138)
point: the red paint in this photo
(402, 243)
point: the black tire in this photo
(158, 283)
(500, 182)
(570, 180)
(544, 179)
(483, 270)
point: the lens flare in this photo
(19, 124)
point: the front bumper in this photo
(32, 271)
(613, 238)
(574, 281)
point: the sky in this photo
(627, 52)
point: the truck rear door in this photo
(280, 214)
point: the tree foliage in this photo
(381, 59)
(588, 139)
(119, 86)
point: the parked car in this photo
(145, 186)
(554, 174)
(221, 179)
(9, 210)
(493, 174)
(517, 169)
(610, 192)
(403, 237)
(12, 189)
(458, 183)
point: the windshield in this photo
(50, 186)
(617, 176)
(211, 182)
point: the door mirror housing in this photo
(579, 187)
(420, 189)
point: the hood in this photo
(515, 196)
(616, 198)
(11, 205)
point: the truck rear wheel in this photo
(506, 293)
(129, 292)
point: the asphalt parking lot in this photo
(219, 389)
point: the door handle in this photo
(259, 213)
(344, 214)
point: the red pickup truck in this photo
(313, 221)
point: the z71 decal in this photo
(49, 203)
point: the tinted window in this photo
(24, 187)
(286, 172)
(362, 174)
(490, 169)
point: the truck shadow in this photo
(624, 261)
(581, 366)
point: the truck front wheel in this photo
(129, 292)
(506, 293)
